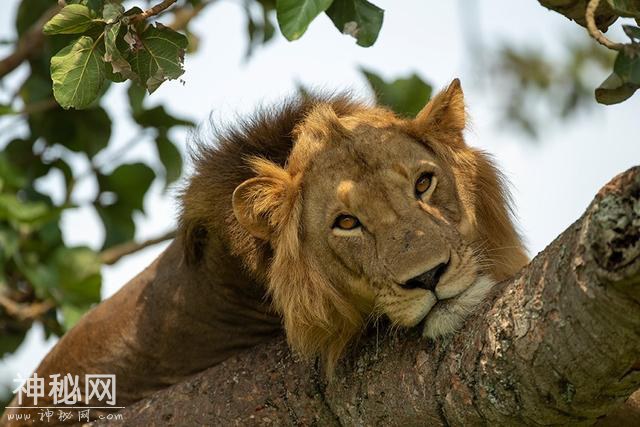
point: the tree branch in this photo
(29, 44)
(556, 345)
(22, 312)
(112, 255)
(184, 15)
(155, 10)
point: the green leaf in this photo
(9, 241)
(78, 273)
(71, 314)
(294, 16)
(259, 31)
(118, 224)
(36, 88)
(19, 153)
(95, 5)
(357, 18)
(29, 11)
(632, 32)
(85, 131)
(136, 97)
(170, 157)
(113, 55)
(157, 55)
(15, 210)
(405, 96)
(614, 90)
(11, 340)
(112, 11)
(129, 182)
(41, 276)
(11, 177)
(628, 8)
(78, 73)
(157, 117)
(72, 19)
(628, 68)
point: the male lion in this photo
(314, 217)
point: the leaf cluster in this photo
(110, 45)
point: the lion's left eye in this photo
(423, 184)
(346, 222)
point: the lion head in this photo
(370, 214)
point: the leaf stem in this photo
(594, 32)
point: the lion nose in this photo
(427, 280)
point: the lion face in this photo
(377, 215)
(381, 212)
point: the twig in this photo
(183, 15)
(155, 10)
(112, 255)
(593, 28)
(24, 312)
(28, 44)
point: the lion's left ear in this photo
(263, 204)
(444, 113)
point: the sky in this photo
(552, 180)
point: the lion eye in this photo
(346, 222)
(423, 183)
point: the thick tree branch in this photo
(558, 344)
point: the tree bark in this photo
(558, 344)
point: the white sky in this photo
(552, 180)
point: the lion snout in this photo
(427, 280)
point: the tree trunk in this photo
(558, 344)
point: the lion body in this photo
(244, 270)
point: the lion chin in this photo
(447, 316)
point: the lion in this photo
(313, 218)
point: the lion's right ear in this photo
(444, 115)
(262, 205)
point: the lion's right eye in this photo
(346, 222)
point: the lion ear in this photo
(262, 204)
(252, 215)
(445, 112)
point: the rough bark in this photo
(558, 344)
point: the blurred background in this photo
(111, 176)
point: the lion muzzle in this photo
(427, 280)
